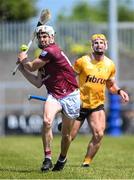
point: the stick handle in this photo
(15, 69)
(41, 98)
(28, 47)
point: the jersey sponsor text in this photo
(94, 79)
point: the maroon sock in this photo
(48, 154)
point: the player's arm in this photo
(112, 86)
(76, 76)
(77, 69)
(31, 65)
(35, 79)
(114, 89)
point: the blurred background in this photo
(74, 21)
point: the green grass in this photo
(21, 158)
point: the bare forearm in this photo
(114, 89)
(32, 78)
(112, 86)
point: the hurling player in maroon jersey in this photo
(56, 73)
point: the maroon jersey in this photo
(58, 75)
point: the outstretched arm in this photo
(113, 88)
(36, 80)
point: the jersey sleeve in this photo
(77, 65)
(113, 71)
(44, 55)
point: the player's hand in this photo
(21, 68)
(124, 96)
(22, 57)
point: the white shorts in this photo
(70, 104)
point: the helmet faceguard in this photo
(45, 29)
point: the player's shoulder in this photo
(108, 61)
(52, 48)
(84, 58)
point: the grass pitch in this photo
(21, 158)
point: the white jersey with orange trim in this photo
(93, 75)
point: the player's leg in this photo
(65, 143)
(47, 136)
(97, 124)
(77, 123)
(71, 109)
(75, 129)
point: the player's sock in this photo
(87, 162)
(62, 158)
(48, 154)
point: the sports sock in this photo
(62, 158)
(87, 160)
(48, 154)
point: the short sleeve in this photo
(113, 71)
(77, 66)
(44, 55)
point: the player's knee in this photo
(47, 122)
(99, 135)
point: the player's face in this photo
(44, 39)
(99, 46)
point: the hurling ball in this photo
(23, 47)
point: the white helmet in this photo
(46, 29)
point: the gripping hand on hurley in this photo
(22, 56)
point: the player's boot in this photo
(46, 165)
(59, 165)
(86, 162)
